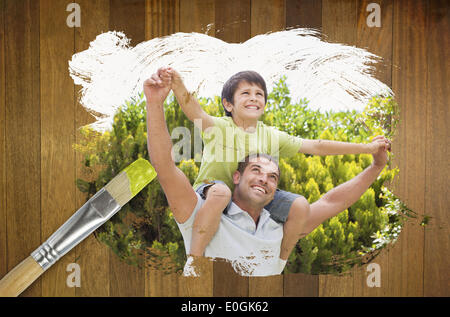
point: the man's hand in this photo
(158, 86)
(380, 157)
(377, 143)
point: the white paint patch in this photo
(331, 76)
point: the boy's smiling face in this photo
(249, 102)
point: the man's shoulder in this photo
(198, 205)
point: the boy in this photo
(231, 138)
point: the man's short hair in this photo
(249, 76)
(242, 165)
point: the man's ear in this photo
(236, 177)
(228, 105)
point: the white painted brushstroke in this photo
(331, 76)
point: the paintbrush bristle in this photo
(119, 189)
(131, 181)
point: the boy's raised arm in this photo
(189, 103)
(328, 147)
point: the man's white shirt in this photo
(253, 250)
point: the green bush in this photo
(145, 228)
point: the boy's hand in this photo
(177, 81)
(379, 142)
(157, 87)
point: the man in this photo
(246, 236)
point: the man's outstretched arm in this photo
(176, 186)
(343, 196)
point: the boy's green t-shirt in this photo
(225, 144)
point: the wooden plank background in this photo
(3, 260)
(40, 116)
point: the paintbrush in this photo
(95, 212)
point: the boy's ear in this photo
(228, 105)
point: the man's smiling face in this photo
(259, 181)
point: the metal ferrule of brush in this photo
(89, 217)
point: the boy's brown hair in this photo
(233, 82)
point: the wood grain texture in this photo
(161, 284)
(267, 16)
(336, 285)
(267, 286)
(202, 285)
(23, 162)
(162, 18)
(57, 136)
(437, 202)
(361, 287)
(410, 85)
(232, 20)
(91, 255)
(20, 277)
(228, 283)
(125, 280)
(377, 40)
(339, 21)
(3, 237)
(128, 16)
(197, 16)
(304, 14)
(301, 285)
(93, 258)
